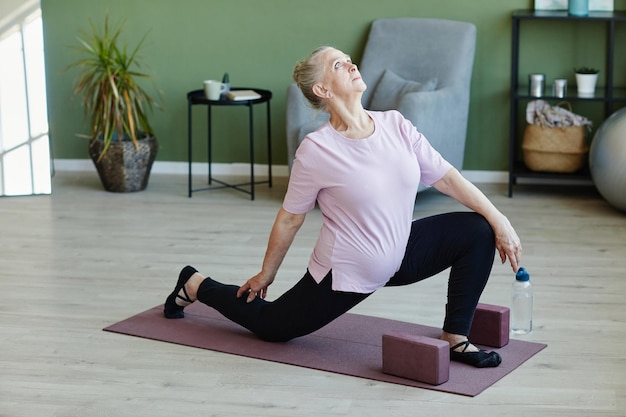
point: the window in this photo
(24, 142)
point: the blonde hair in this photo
(307, 73)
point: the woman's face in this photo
(340, 76)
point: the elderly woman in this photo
(363, 169)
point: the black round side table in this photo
(197, 97)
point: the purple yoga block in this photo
(490, 326)
(419, 358)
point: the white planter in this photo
(586, 84)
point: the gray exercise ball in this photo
(607, 159)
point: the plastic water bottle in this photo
(522, 303)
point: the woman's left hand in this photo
(507, 242)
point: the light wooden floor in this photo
(81, 259)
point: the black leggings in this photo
(463, 241)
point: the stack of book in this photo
(239, 95)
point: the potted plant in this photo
(586, 79)
(121, 141)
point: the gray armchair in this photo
(420, 67)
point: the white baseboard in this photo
(243, 169)
(493, 177)
(502, 177)
(181, 168)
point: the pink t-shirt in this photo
(366, 192)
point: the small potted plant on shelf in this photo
(121, 141)
(586, 79)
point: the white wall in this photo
(12, 9)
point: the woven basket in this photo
(554, 149)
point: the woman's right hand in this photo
(255, 286)
(284, 230)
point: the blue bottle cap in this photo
(522, 274)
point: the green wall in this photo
(258, 41)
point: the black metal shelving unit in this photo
(609, 95)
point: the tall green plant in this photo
(112, 99)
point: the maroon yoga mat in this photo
(351, 345)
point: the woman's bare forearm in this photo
(283, 232)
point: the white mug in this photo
(213, 89)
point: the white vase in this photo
(586, 84)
